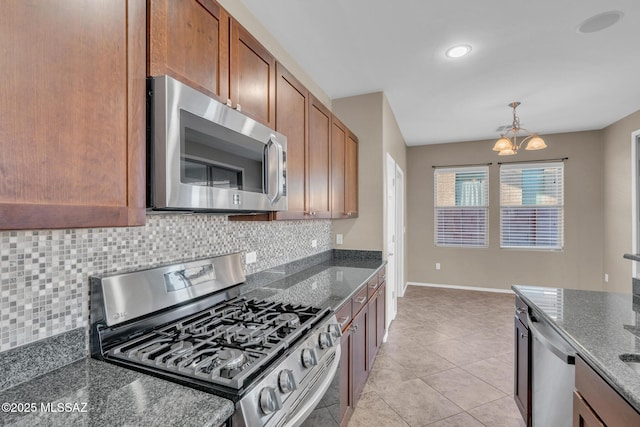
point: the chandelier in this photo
(508, 143)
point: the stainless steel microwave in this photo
(205, 156)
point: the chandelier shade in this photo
(508, 145)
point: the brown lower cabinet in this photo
(596, 403)
(522, 363)
(363, 327)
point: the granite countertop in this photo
(98, 393)
(599, 325)
(328, 284)
(101, 394)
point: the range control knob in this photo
(286, 381)
(334, 330)
(269, 401)
(324, 340)
(309, 358)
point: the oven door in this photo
(209, 157)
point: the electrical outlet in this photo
(314, 243)
(606, 278)
(251, 257)
(339, 239)
(437, 266)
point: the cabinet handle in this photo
(521, 310)
(523, 335)
(354, 327)
(361, 300)
(238, 107)
(384, 276)
(374, 286)
(229, 103)
(380, 293)
(343, 321)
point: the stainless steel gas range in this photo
(187, 323)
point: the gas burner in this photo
(290, 319)
(232, 358)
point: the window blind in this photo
(532, 206)
(461, 203)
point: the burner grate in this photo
(227, 344)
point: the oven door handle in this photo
(316, 394)
(274, 170)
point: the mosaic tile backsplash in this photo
(44, 274)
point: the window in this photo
(461, 206)
(532, 206)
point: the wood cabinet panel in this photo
(318, 159)
(338, 147)
(360, 362)
(344, 171)
(583, 416)
(189, 40)
(346, 377)
(351, 175)
(372, 326)
(611, 408)
(73, 107)
(522, 370)
(381, 326)
(252, 77)
(291, 120)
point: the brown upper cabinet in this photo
(72, 139)
(318, 159)
(351, 175)
(292, 103)
(344, 171)
(252, 77)
(189, 40)
(196, 41)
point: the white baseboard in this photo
(466, 288)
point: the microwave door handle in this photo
(278, 169)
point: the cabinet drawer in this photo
(343, 314)
(373, 286)
(360, 300)
(382, 275)
(608, 405)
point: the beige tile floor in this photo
(448, 362)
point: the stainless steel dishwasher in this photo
(553, 376)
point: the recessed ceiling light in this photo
(600, 21)
(458, 51)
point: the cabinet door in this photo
(382, 314)
(583, 416)
(351, 175)
(72, 139)
(522, 374)
(189, 40)
(346, 376)
(372, 330)
(291, 120)
(252, 76)
(360, 365)
(319, 159)
(338, 147)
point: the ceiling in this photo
(522, 50)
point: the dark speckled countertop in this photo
(598, 325)
(328, 284)
(116, 396)
(101, 394)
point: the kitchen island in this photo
(600, 326)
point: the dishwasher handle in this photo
(566, 355)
